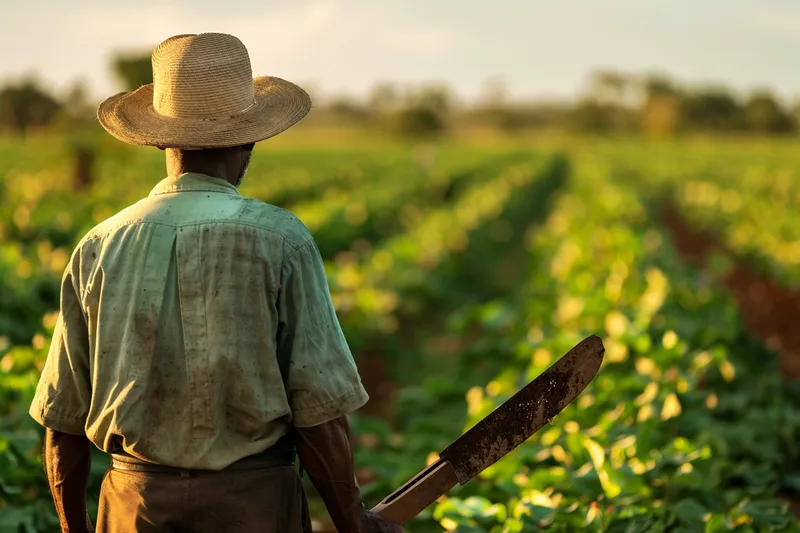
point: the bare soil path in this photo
(770, 312)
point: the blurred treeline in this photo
(610, 102)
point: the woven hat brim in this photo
(131, 118)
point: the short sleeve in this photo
(63, 394)
(322, 382)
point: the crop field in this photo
(460, 271)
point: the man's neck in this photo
(208, 171)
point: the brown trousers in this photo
(266, 500)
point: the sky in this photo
(541, 49)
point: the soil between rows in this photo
(768, 310)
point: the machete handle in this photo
(417, 493)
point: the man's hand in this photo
(382, 525)
(326, 455)
(66, 462)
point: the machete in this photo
(501, 431)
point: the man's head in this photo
(204, 95)
(227, 163)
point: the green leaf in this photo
(768, 513)
(476, 506)
(689, 512)
(541, 515)
(14, 518)
(632, 525)
(596, 452)
(717, 524)
(792, 480)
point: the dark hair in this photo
(207, 153)
(248, 147)
(211, 152)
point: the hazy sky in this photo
(541, 48)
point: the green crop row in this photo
(431, 358)
(389, 202)
(369, 289)
(687, 427)
(747, 199)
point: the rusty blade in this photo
(526, 412)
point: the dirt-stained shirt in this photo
(196, 326)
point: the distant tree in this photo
(712, 110)
(348, 108)
(657, 85)
(436, 98)
(423, 112)
(605, 104)
(504, 118)
(591, 116)
(661, 112)
(133, 70)
(763, 114)
(384, 98)
(26, 106)
(661, 115)
(418, 122)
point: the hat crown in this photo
(205, 77)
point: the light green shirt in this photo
(195, 327)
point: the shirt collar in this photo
(193, 181)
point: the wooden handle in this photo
(418, 493)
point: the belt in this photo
(271, 457)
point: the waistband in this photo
(270, 457)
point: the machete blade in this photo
(526, 412)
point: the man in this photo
(197, 342)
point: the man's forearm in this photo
(67, 459)
(327, 456)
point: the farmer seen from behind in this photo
(197, 343)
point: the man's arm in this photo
(67, 459)
(61, 405)
(326, 455)
(323, 386)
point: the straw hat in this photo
(203, 95)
